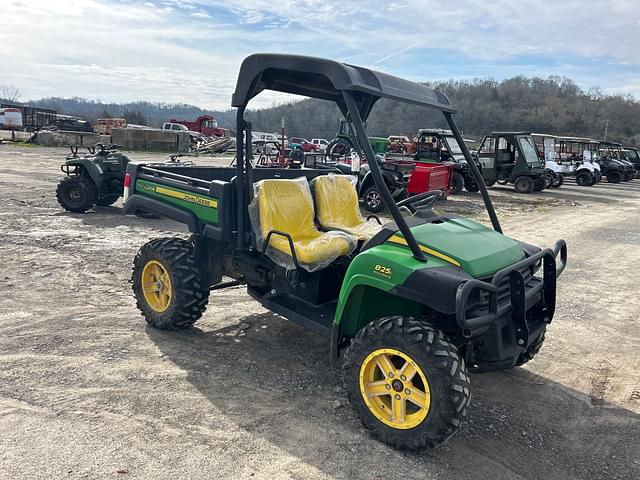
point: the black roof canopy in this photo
(327, 79)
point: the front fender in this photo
(388, 280)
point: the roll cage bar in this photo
(355, 90)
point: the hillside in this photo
(547, 105)
(551, 105)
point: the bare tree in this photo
(10, 93)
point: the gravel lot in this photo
(88, 391)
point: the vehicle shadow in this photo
(274, 380)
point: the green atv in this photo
(512, 157)
(410, 306)
(92, 179)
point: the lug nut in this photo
(387, 386)
(403, 378)
(397, 397)
(390, 374)
(407, 391)
(521, 342)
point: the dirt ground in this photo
(88, 391)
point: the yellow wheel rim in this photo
(156, 286)
(394, 388)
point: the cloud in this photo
(190, 50)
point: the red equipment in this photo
(206, 125)
(430, 176)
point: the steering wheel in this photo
(420, 201)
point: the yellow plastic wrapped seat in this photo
(338, 208)
(287, 206)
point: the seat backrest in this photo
(285, 205)
(337, 201)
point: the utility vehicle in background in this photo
(512, 157)
(94, 178)
(569, 156)
(610, 160)
(632, 154)
(409, 306)
(436, 145)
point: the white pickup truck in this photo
(178, 127)
(321, 143)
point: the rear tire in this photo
(539, 184)
(76, 193)
(523, 184)
(532, 351)
(406, 342)
(457, 183)
(614, 177)
(166, 284)
(584, 179)
(373, 200)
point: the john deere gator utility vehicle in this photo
(512, 157)
(409, 306)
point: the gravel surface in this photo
(88, 391)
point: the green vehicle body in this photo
(506, 157)
(438, 294)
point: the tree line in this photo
(553, 105)
(546, 105)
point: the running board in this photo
(317, 318)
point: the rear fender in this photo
(88, 169)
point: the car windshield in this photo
(529, 150)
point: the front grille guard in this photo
(520, 293)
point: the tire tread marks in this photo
(190, 298)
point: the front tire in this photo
(558, 181)
(76, 193)
(614, 177)
(166, 284)
(523, 185)
(457, 183)
(471, 185)
(584, 179)
(407, 382)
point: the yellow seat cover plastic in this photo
(287, 206)
(338, 207)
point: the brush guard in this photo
(522, 297)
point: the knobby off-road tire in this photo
(539, 184)
(531, 352)
(171, 262)
(433, 356)
(76, 193)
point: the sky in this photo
(189, 51)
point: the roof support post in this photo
(366, 150)
(475, 171)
